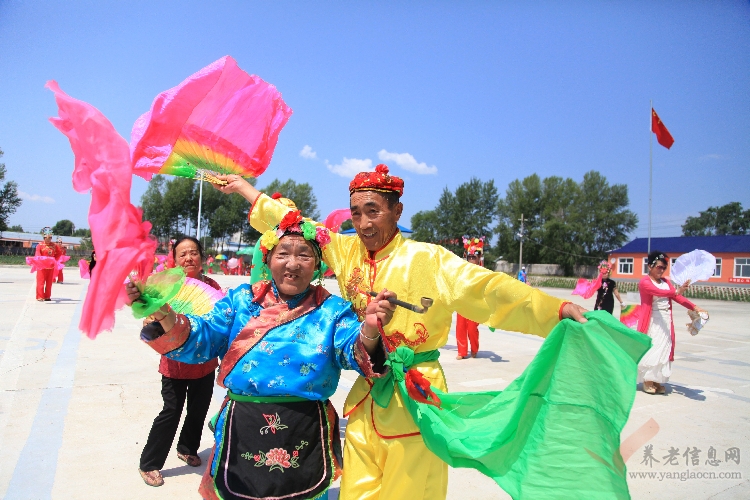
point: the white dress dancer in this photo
(655, 365)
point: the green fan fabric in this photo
(554, 432)
(159, 289)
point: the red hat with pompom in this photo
(379, 180)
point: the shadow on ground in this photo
(186, 469)
(495, 358)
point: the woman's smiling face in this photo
(292, 263)
(188, 257)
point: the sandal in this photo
(461, 357)
(191, 460)
(152, 477)
(660, 389)
(649, 389)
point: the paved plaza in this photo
(75, 413)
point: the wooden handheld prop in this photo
(426, 303)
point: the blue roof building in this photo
(732, 256)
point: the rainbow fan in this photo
(629, 315)
(158, 290)
(219, 120)
(195, 297)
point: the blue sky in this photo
(443, 90)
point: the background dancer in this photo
(44, 277)
(655, 320)
(467, 331)
(63, 251)
(604, 296)
(180, 382)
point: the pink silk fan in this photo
(219, 120)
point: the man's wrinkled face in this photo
(373, 220)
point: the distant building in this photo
(15, 243)
(732, 256)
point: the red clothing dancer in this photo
(467, 331)
(181, 383)
(63, 251)
(44, 276)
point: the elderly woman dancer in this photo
(283, 344)
(655, 321)
(180, 382)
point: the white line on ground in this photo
(10, 364)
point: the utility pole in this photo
(520, 253)
(200, 205)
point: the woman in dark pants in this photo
(180, 381)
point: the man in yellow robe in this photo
(384, 454)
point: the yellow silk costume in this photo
(412, 270)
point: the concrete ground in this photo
(75, 413)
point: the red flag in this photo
(662, 134)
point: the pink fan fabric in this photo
(221, 106)
(121, 238)
(586, 288)
(38, 263)
(336, 218)
(83, 267)
(60, 265)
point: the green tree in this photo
(301, 194)
(347, 224)
(727, 219)
(9, 199)
(63, 228)
(82, 232)
(17, 228)
(152, 203)
(470, 211)
(229, 218)
(180, 203)
(565, 222)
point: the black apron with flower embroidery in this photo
(276, 450)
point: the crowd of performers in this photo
(652, 317)
(283, 341)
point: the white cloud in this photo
(350, 167)
(35, 197)
(407, 162)
(713, 157)
(308, 153)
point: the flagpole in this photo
(200, 204)
(650, 169)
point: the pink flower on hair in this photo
(322, 236)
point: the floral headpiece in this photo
(473, 246)
(379, 180)
(293, 223)
(604, 266)
(46, 231)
